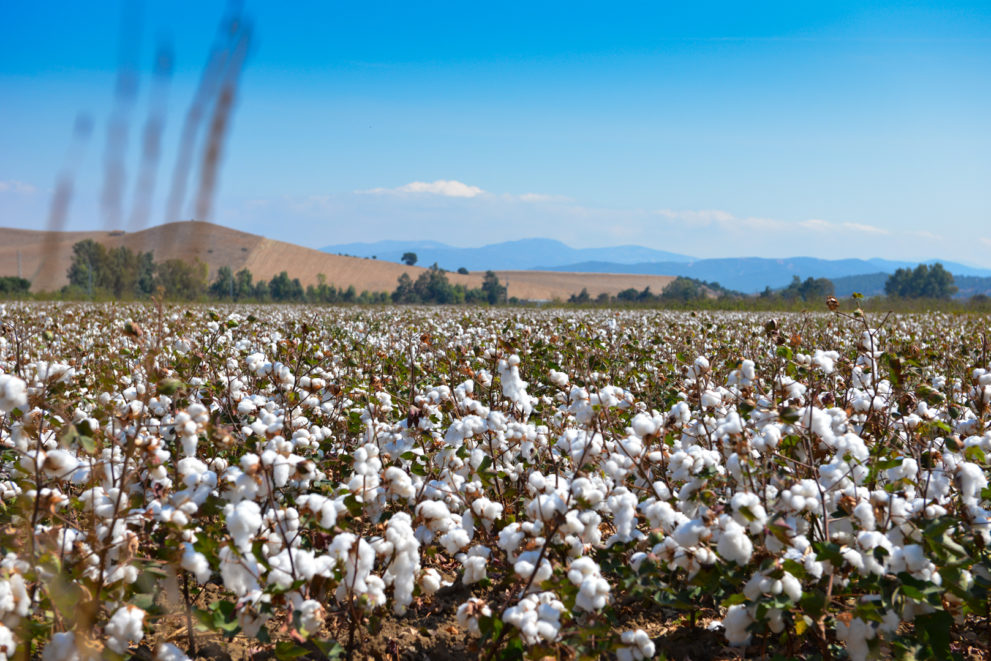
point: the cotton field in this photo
(315, 481)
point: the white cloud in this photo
(443, 187)
(727, 221)
(985, 240)
(698, 217)
(859, 227)
(13, 186)
(541, 197)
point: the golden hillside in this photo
(45, 256)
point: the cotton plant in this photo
(554, 467)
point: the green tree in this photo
(243, 287)
(404, 292)
(921, 282)
(683, 289)
(222, 286)
(181, 280)
(494, 291)
(408, 258)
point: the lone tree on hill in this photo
(408, 258)
(922, 282)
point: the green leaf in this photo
(286, 650)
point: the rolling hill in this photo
(44, 257)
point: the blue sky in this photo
(714, 129)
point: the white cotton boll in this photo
(455, 539)
(61, 647)
(623, 504)
(195, 563)
(243, 522)
(513, 387)
(691, 533)
(864, 514)
(8, 646)
(855, 634)
(593, 590)
(711, 399)
(559, 379)
(399, 482)
(510, 538)
(59, 464)
(469, 612)
(240, 574)
(311, 616)
(475, 569)
(735, 622)
(734, 545)
(525, 569)
(169, 652)
(537, 616)
(637, 645)
(13, 393)
(791, 587)
(972, 481)
(401, 572)
(321, 507)
(643, 425)
(126, 626)
(430, 581)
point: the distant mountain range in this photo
(745, 274)
(753, 274)
(524, 254)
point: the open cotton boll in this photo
(734, 544)
(537, 616)
(239, 573)
(8, 646)
(169, 652)
(61, 647)
(525, 568)
(636, 645)
(854, 634)
(735, 622)
(126, 626)
(593, 590)
(513, 387)
(430, 581)
(311, 616)
(475, 564)
(401, 572)
(13, 393)
(469, 612)
(195, 563)
(243, 521)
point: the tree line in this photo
(432, 286)
(96, 271)
(100, 272)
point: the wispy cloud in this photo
(728, 221)
(538, 197)
(442, 187)
(985, 240)
(13, 186)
